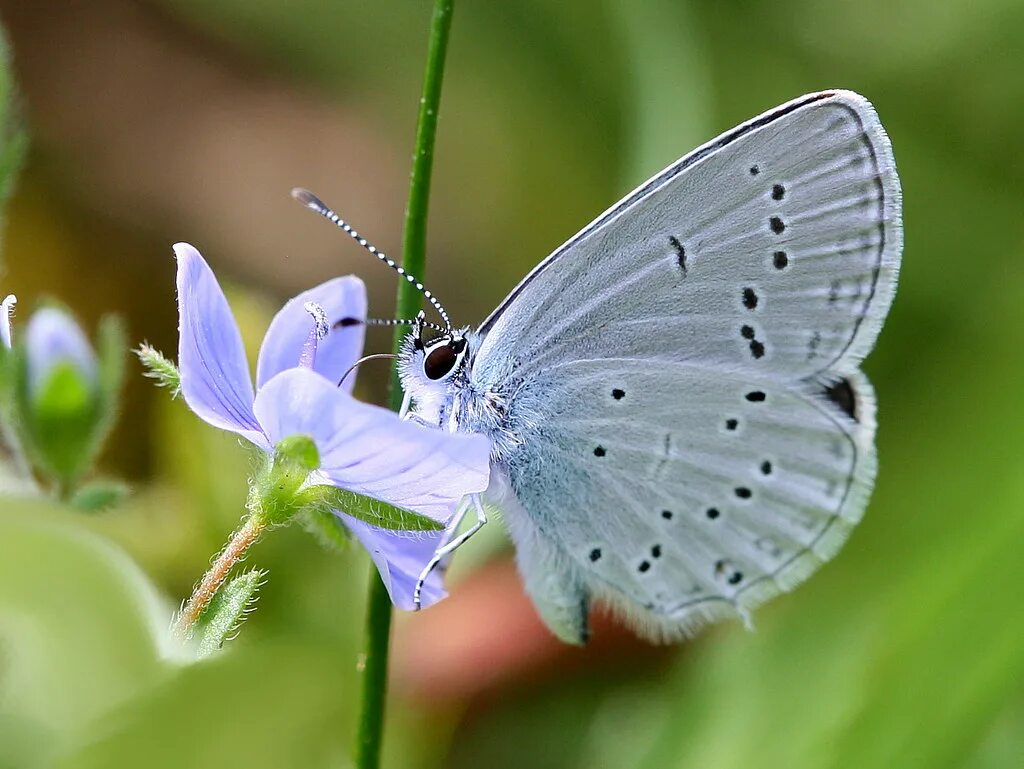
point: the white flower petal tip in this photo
(6, 313)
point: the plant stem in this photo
(374, 660)
(414, 240)
(211, 582)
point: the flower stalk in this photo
(212, 581)
(374, 658)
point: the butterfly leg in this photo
(452, 545)
(403, 412)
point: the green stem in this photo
(214, 578)
(414, 241)
(374, 660)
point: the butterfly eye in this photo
(442, 360)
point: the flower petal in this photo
(53, 337)
(6, 311)
(400, 558)
(340, 298)
(214, 373)
(370, 451)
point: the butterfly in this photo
(679, 427)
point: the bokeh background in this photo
(153, 122)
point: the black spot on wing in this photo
(680, 252)
(842, 395)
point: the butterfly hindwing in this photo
(677, 499)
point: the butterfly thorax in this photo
(459, 402)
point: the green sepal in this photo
(297, 452)
(59, 422)
(326, 527)
(375, 512)
(111, 345)
(228, 609)
(279, 493)
(9, 386)
(99, 496)
(159, 368)
(275, 494)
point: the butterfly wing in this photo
(773, 248)
(676, 497)
(694, 352)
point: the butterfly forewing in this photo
(773, 249)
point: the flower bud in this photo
(65, 394)
(58, 355)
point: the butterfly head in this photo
(432, 365)
(441, 358)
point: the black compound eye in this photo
(442, 359)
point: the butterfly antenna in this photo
(312, 202)
(415, 322)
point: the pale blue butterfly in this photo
(678, 424)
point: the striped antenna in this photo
(345, 322)
(312, 202)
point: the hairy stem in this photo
(374, 659)
(211, 582)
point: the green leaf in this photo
(369, 510)
(159, 368)
(228, 609)
(81, 631)
(98, 496)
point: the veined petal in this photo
(6, 311)
(214, 373)
(370, 451)
(400, 557)
(282, 347)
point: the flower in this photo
(362, 448)
(60, 395)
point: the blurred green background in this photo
(153, 122)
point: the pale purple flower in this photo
(363, 448)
